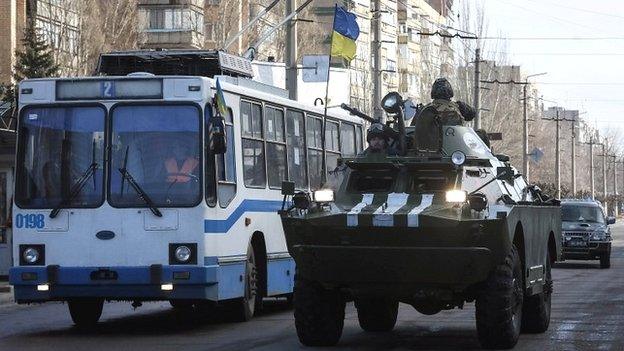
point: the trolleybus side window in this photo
(315, 154)
(296, 149)
(59, 145)
(332, 144)
(254, 173)
(358, 138)
(226, 165)
(220, 169)
(275, 146)
(347, 137)
(159, 147)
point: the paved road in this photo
(588, 314)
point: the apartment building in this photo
(172, 24)
(57, 20)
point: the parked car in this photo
(586, 232)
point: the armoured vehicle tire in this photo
(243, 309)
(319, 313)
(605, 260)
(499, 306)
(85, 313)
(377, 315)
(536, 309)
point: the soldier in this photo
(442, 111)
(378, 137)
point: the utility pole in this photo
(557, 158)
(477, 88)
(574, 159)
(615, 193)
(525, 156)
(604, 175)
(376, 52)
(525, 135)
(591, 167)
(291, 51)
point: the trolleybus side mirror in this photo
(217, 138)
(610, 220)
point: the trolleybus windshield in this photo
(60, 147)
(159, 147)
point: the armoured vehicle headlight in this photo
(30, 255)
(324, 195)
(458, 158)
(457, 196)
(182, 253)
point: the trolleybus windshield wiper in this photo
(80, 183)
(142, 194)
(76, 188)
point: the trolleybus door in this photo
(6, 194)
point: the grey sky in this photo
(587, 75)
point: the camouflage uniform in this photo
(442, 111)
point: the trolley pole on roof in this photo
(249, 24)
(291, 52)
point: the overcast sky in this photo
(587, 75)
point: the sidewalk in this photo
(6, 293)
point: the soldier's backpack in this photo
(428, 131)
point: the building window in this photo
(175, 19)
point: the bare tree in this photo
(107, 25)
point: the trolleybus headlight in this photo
(458, 158)
(30, 255)
(182, 253)
(324, 195)
(456, 196)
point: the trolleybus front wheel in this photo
(85, 312)
(242, 309)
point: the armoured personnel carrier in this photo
(430, 227)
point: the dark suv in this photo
(586, 232)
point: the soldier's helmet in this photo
(377, 130)
(441, 89)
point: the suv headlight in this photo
(598, 236)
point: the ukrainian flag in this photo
(345, 33)
(220, 101)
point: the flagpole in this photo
(324, 152)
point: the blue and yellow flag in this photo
(345, 33)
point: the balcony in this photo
(172, 39)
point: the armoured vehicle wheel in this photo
(605, 260)
(319, 313)
(536, 311)
(85, 312)
(377, 315)
(243, 309)
(499, 306)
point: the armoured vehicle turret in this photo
(432, 227)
